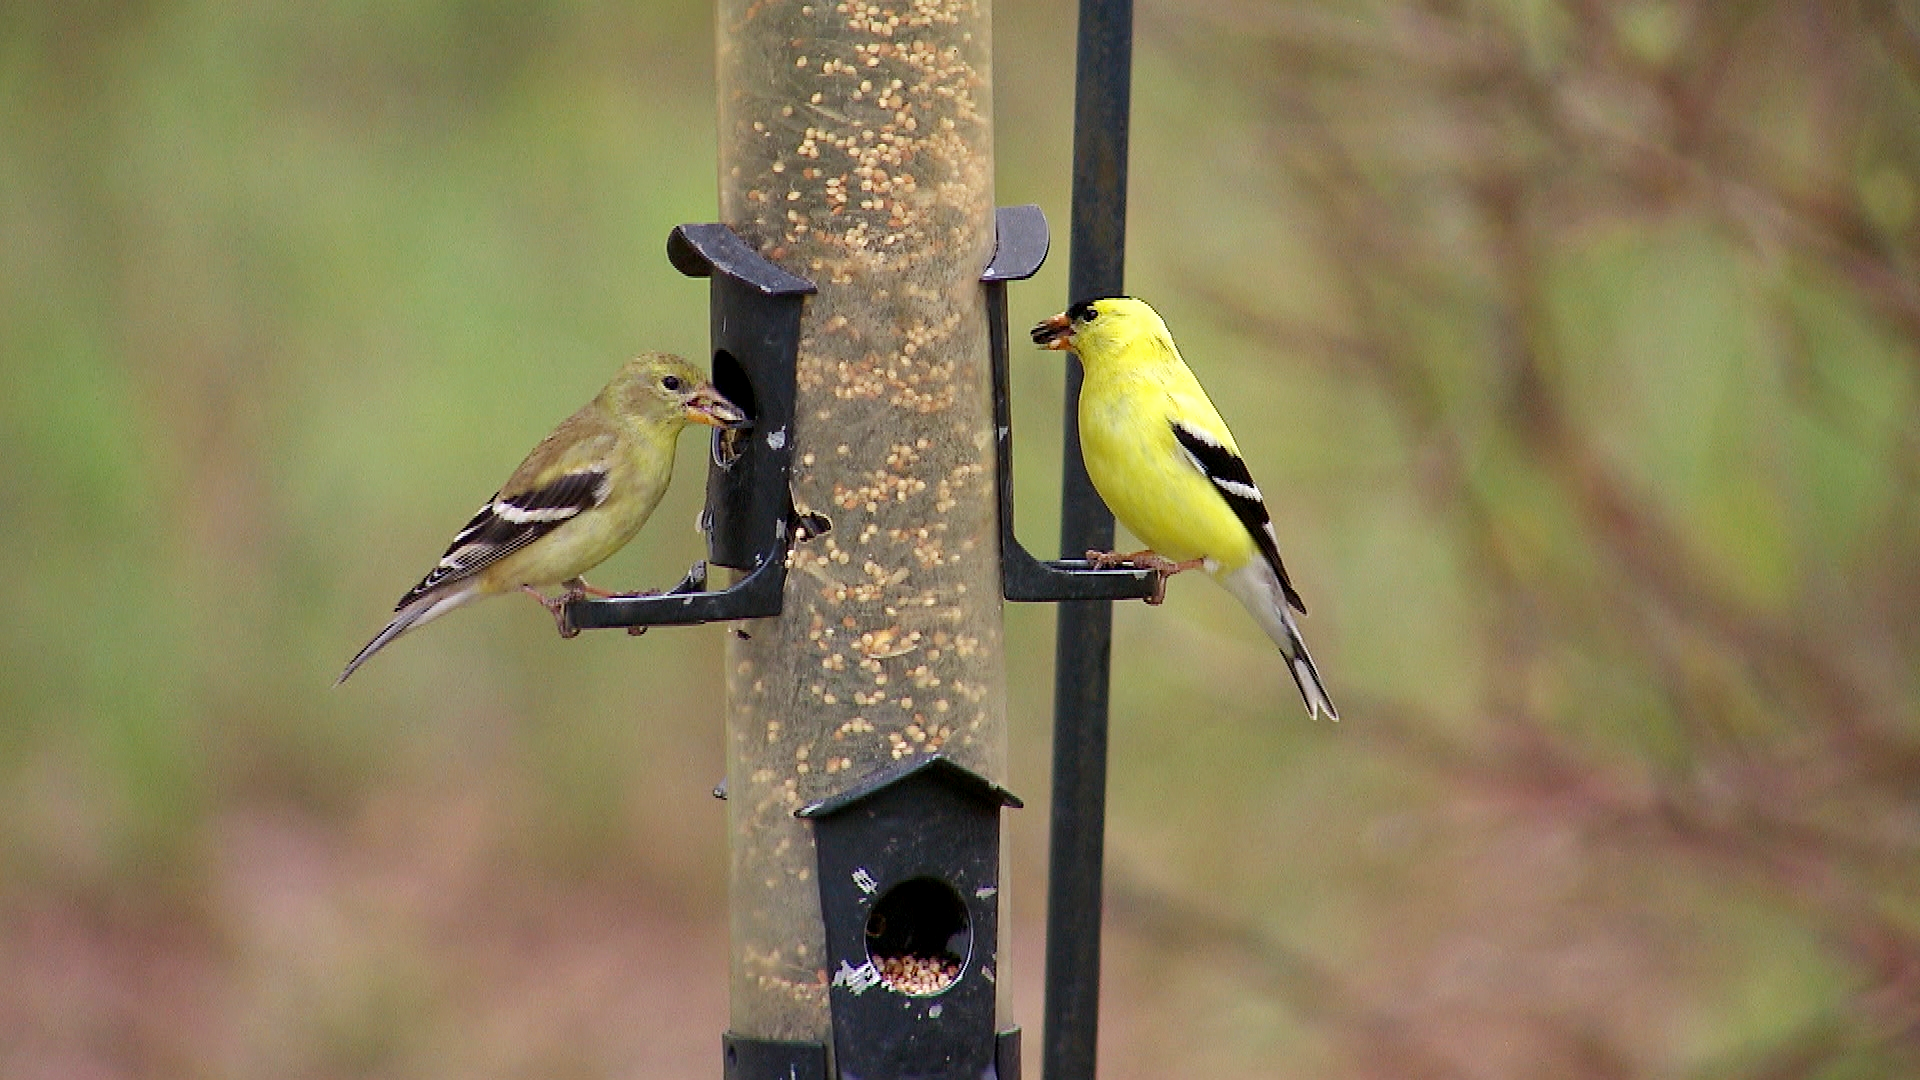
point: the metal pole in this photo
(1083, 646)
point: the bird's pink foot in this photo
(580, 585)
(1162, 567)
(557, 605)
(577, 588)
(1111, 560)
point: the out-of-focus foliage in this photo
(1575, 343)
(1587, 331)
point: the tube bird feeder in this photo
(859, 317)
(856, 152)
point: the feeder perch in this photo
(909, 871)
(755, 310)
(1021, 243)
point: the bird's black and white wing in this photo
(1231, 479)
(508, 523)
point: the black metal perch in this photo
(1021, 246)
(755, 310)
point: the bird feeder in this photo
(856, 151)
(907, 855)
(859, 317)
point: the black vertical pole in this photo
(1103, 81)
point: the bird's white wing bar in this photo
(1229, 476)
(507, 524)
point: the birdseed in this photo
(917, 975)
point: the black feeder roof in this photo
(958, 776)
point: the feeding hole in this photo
(731, 380)
(809, 525)
(918, 937)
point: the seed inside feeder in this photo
(918, 975)
(918, 937)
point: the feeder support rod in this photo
(1083, 647)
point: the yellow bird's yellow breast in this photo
(1148, 480)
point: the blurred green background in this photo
(1574, 341)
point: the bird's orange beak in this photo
(1054, 333)
(708, 407)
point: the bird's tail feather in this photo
(422, 610)
(1260, 592)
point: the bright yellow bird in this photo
(1159, 454)
(577, 498)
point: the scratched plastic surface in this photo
(856, 149)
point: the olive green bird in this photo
(578, 497)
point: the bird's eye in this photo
(671, 384)
(1083, 312)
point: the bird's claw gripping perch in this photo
(557, 605)
(1162, 567)
(577, 589)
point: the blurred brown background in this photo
(1575, 342)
